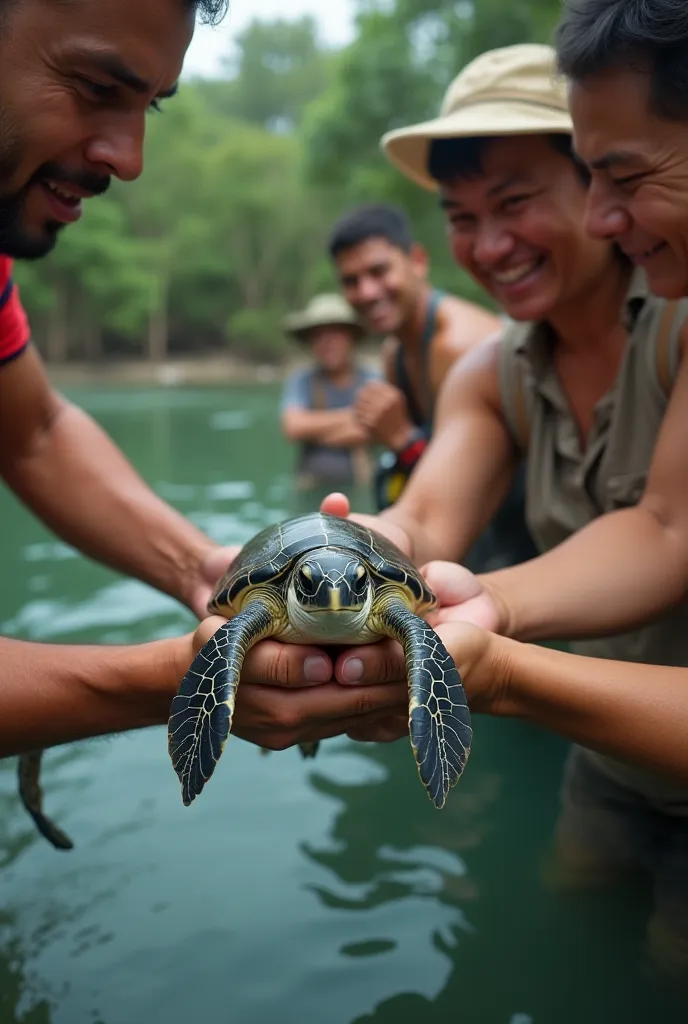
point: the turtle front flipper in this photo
(439, 719)
(309, 749)
(31, 794)
(201, 713)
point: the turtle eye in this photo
(306, 582)
(360, 579)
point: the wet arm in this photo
(67, 470)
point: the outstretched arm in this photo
(67, 470)
(55, 693)
(637, 713)
(620, 571)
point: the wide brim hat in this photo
(328, 310)
(515, 90)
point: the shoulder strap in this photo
(434, 300)
(429, 331)
(663, 347)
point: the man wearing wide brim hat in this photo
(317, 403)
(510, 91)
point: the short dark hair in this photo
(644, 35)
(210, 12)
(371, 220)
(452, 159)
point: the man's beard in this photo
(15, 238)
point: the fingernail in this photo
(316, 669)
(352, 670)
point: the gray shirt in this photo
(311, 389)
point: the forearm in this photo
(445, 528)
(337, 428)
(619, 572)
(638, 713)
(85, 490)
(52, 694)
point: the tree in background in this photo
(225, 230)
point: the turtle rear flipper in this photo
(201, 713)
(31, 794)
(439, 719)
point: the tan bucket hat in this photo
(511, 91)
(324, 310)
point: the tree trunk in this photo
(93, 341)
(158, 322)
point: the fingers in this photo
(278, 718)
(372, 664)
(271, 663)
(336, 504)
(375, 729)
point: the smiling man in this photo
(628, 65)
(77, 78)
(383, 272)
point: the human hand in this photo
(337, 504)
(211, 567)
(463, 597)
(477, 654)
(381, 408)
(288, 694)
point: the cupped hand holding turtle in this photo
(481, 658)
(289, 695)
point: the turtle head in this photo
(330, 594)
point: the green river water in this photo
(325, 892)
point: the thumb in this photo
(336, 504)
(452, 583)
(206, 629)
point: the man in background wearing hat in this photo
(317, 404)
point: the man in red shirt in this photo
(76, 82)
(14, 326)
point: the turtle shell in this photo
(271, 554)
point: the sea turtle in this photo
(324, 580)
